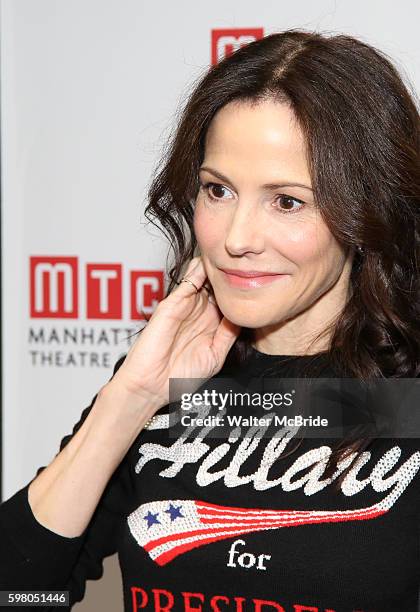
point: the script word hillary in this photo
(182, 452)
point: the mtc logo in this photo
(225, 42)
(54, 289)
(246, 560)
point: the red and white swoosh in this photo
(168, 528)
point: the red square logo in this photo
(53, 287)
(146, 292)
(225, 42)
(104, 291)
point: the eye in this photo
(215, 193)
(214, 190)
(288, 201)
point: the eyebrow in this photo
(267, 186)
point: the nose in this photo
(245, 231)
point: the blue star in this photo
(174, 512)
(151, 518)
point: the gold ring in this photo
(186, 280)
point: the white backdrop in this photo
(88, 92)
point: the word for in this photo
(245, 559)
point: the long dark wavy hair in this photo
(361, 125)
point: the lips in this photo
(249, 274)
(255, 281)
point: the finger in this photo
(196, 274)
(167, 322)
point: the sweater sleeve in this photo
(34, 558)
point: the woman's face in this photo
(255, 211)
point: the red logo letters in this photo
(55, 290)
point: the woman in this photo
(295, 173)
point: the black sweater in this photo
(235, 524)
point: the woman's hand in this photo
(186, 337)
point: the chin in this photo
(246, 315)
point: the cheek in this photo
(208, 230)
(309, 244)
(300, 243)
